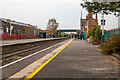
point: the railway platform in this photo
(73, 59)
(22, 41)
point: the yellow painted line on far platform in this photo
(45, 63)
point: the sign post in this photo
(102, 23)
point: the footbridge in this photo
(68, 30)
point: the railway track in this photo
(18, 52)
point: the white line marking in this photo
(29, 56)
(33, 66)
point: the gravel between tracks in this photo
(19, 51)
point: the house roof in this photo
(15, 22)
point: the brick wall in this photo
(30, 30)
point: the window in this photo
(7, 30)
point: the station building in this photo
(7, 25)
(88, 23)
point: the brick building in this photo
(88, 23)
(44, 34)
(17, 27)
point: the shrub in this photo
(13, 36)
(62, 35)
(106, 48)
(98, 34)
(5, 36)
(32, 36)
(23, 36)
(111, 45)
(91, 38)
(36, 36)
(115, 43)
(18, 36)
(90, 33)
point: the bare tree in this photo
(52, 26)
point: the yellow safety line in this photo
(45, 63)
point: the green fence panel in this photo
(108, 34)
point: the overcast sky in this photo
(38, 12)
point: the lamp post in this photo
(102, 23)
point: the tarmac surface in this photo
(79, 60)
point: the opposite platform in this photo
(12, 42)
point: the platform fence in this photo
(109, 33)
